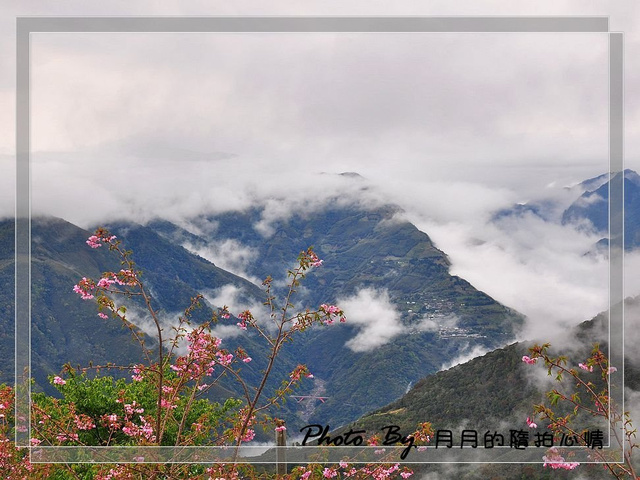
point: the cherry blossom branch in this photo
(604, 407)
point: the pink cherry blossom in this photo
(126, 277)
(610, 370)
(137, 373)
(528, 360)
(281, 428)
(330, 309)
(84, 422)
(105, 282)
(314, 260)
(94, 242)
(531, 423)
(59, 381)
(225, 359)
(164, 403)
(585, 367)
(84, 288)
(329, 473)
(554, 460)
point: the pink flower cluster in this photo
(531, 423)
(84, 288)
(62, 437)
(117, 472)
(528, 360)
(329, 473)
(238, 424)
(299, 371)
(225, 359)
(588, 368)
(202, 357)
(59, 381)
(123, 277)
(281, 428)
(137, 373)
(381, 472)
(314, 260)
(218, 472)
(95, 241)
(131, 408)
(128, 427)
(244, 318)
(145, 430)
(105, 282)
(332, 311)
(556, 461)
(84, 422)
(377, 472)
(164, 403)
(111, 421)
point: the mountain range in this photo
(496, 392)
(588, 209)
(371, 257)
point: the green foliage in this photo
(101, 396)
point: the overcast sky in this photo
(449, 126)
(480, 107)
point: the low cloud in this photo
(373, 313)
(632, 335)
(228, 254)
(183, 190)
(145, 323)
(427, 325)
(548, 271)
(237, 301)
(468, 354)
(539, 268)
(587, 200)
(226, 331)
(234, 298)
